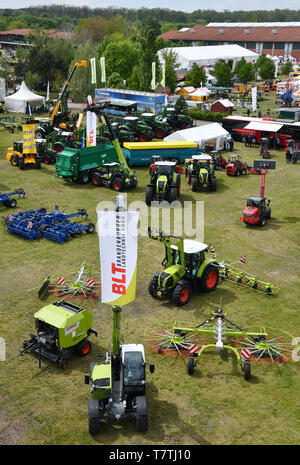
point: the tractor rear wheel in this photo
(209, 279)
(152, 288)
(182, 293)
(190, 366)
(212, 184)
(268, 212)
(141, 414)
(262, 221)
(149, 195)
(194, 183)
(38, 162)
(174, 194)
(83, 348)
(94, 416)
(160, 134)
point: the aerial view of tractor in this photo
(186, 268)
(200, 172)
(7, 200)
(61, 330)
(112, 175)
(123, 133)
(141, 130)
(16, 156)
(161, 129)
(235, 166)
(164, 182)
(258, 211)
(118, 383)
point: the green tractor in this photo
(118, 384)
(200, 172)
(142, 132)
(175, 120)
(164, 182)
(160, 128)
(122, 133)
(61, 329)
(186, 268)
(112, 175)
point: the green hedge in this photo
(205, 115)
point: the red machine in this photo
(235, 166)
(258, 210)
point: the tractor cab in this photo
(256, 211)
(235, 166)
(18, 146)
(202, 161)
(109, 169)
(133, 368)
(194, 255)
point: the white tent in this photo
(209, 55)
(18, 101)
(211, 132)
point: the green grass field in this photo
(215, 405)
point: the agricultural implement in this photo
(186, 268)
(235, 166)
(164, 182)
(8, 201)
(9, 122)
(118, 384)
(55, 226)
(200, 173)
(61, 330)
(258, 210)
(79, 283)
(222, 335)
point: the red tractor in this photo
(235, 166)
(258, 210)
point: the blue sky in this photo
(219, 5)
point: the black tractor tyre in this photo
(48, 159)
(96, 179)
(149, 194)
(134, 183)
(14, 160)
(141, 414)
(268, 212)
(244, 171)
(213, 184)
(90, 228)
(209, 279)
(38, 162)
(194, 183)
(21, 163)
(174, 194)
(83, 348)
(84, 178)
(117, 184)
(190, 366)
(182, 293)
(247, 370)
(262, 221)
(152, 287)
(94, 416)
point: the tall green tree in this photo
(286, 68)
(223, 73)
(245, 71)
(81, 86)
(121, 57)
(147, 57)
(171, 64)
(195, 76)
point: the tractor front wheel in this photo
(152, 288)
(96, 179)
(14, 160)
(213, 184)
(190, 366)
(262, 221)
(182, 294)
(149, 195)
(174, 194)
(94, 416)
(117, 184)
(141, 414)
(209, 279)
(194, 183)
(268, 212)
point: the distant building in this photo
(9, 40)
(146, 101)
(222, 106)
(276, 39)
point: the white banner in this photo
(103, 73)
(254, 98)
(118, 238)
(153, 82)
(163, 71)
(93, 71)
(91, 126)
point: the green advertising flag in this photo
(93, 71)
(103, 74)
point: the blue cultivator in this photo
(55, 226)
(8, 201)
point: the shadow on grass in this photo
(163, 416)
